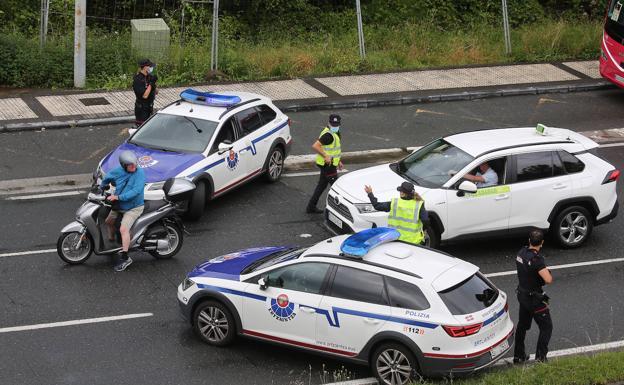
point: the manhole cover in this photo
(99, 101)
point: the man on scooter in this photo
(129, 181)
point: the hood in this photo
(229, 266)
(381, 178)
(157, 165)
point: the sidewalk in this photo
(68, 108)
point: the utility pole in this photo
(80, 43)
(214, 54)
(43, 25)
(506, 28)
(360, 29)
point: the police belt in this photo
(530, 293)
(142, 103)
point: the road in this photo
(161, 349)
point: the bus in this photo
(612, 47)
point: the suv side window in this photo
(405, 295)
(267, 113)
(306, 277)
(533, 166)
(226, 134)
(571, 163)
(249, 120)
(359, 285)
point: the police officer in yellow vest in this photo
(407, 213)
(327, 148)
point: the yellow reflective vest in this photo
(405, 217)
(333, 149)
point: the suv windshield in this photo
(273, 259)
(470, 296)
(175, 133)
(433, 165)
(614, 24)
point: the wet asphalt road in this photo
(587, 302)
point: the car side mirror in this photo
(224, 146)
(466, 187)
(263, 284)
(131, 131)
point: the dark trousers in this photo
(142, 111)
(328, 176)
(532, 308)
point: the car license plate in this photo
(499, 349)
(334, 219)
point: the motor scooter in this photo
(158, 231)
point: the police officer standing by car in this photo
(327, 148)
(532, 275)
(407, 213)
(144, 86)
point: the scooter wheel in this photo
(175, 238)
(66, 247)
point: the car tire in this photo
(393, 363)
(572, 226)
(197, 203)
(274, 165)
(67, 239)
(432, 237)
(214, 323)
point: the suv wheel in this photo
(214, 323)
(572, 226)
(274, 165)
(197, 202)
(393, 363)
(432, 237)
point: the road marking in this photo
(308, 173)
(509, 360)
(74, 322)
(611, 145)
(556, 267)
(32, 252)
(41, 196)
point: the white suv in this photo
(547, 178)
(403, 309)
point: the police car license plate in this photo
(499, 349)
(334, 219)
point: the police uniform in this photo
(533, 304)
(143, 108)
(331, 144)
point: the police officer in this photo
(144, 86)
(327, 148)
(407, 213)
(532, 275)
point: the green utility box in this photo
(150, 37)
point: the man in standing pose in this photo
(144, 86)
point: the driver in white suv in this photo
(485, 177)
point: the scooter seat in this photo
(153, 205)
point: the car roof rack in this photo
(364, 262)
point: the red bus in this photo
(612, 47)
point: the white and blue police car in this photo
(218, 141)
(402, 309)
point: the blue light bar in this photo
(209, 99)
(361, 243)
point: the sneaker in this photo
(520, 360)
(314, 210)
(123, 264)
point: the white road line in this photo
(611, 145)
(32, 252)
(308, 173)
(74, 322)
(509, 360)
(41, 196)
(566, 266)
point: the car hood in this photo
(157, 165)
(229, 266)
(381, 178)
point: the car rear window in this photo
(472, 295)
(571, 163)
(404, 295)
(358, 285)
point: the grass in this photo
(598, 369)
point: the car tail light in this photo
(462, 331)
(612, 176)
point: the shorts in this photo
(128, 217)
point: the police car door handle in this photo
(307, 309)
(372, 321)
(502, 197)
(559, 186)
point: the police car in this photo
(400, 308)
(548, 178)
(218, 141)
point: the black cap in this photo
(334, 120)
(406, 187)
(145, 63)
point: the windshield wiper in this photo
(397, 168)
(199, 130)
(251, 267)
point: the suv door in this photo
(539, 182)
(352, 312)
(486, 210)
(232, 166)
(255, 129)
(285, 310)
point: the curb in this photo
(361, 102)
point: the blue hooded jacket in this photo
(128, 186)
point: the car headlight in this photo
(365, 208)
(187, 283)
(156, 186)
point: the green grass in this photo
(602, 368)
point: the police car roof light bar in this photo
(209, 99)
(358, 244)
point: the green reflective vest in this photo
(405, 217)
(333, 149)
